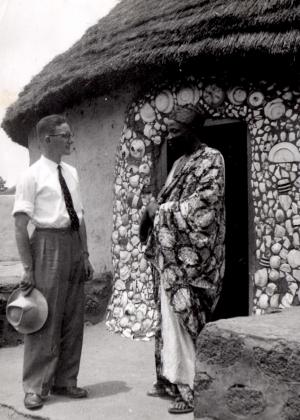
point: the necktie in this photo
(68, 200)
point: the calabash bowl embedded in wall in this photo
(185, 96)
(134, 180)
(284, 152)
(274, 109)
(124, 152)
(128, 134)
(213, 95)
(147, 113)
(137, 148)
(144, 169)
(164, 102)
(237, 95)
(256, 99)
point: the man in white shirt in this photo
(56, 262)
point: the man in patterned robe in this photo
(186, 248)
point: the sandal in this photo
(180, 406)
(158, 391)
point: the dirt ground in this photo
(116, 370)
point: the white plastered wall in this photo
(97, 125)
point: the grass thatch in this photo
(146, 39)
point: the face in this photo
(61, 139)
(177, 131)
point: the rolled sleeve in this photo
(25, 195)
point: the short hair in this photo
(48, 124)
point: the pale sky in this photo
(32, 32)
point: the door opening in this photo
(230, 138)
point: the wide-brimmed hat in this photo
(27, 314)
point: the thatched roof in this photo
(143, 39)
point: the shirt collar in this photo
(50, 163)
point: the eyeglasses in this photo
(65, 136)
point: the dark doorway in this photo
(230, 138)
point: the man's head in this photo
(55, 135)
(184, 123)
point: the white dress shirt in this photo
(39, 194)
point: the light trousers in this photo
(52, 354)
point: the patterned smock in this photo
(186, 245)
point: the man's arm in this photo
(23, 245)
(87, 265)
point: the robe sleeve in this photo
(201, 202)
(189, 228)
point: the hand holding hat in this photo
(27, 283)
(27, 313)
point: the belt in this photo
(50, 229)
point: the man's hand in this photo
(27, 283)
(88, 268)
(151, 209)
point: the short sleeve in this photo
(25, 195)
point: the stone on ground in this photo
(249, 368)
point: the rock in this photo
(120, 285)
(285, 268)
(283, 254)
(136, 327)
(127, 333)
(143, 265)
(270, 289)
(274, 301)
(129, 309)
(261, 277)
(293, 287)
(122, 231)
(285, 201)
(124, 275)
(296, 239)
(287, 300)
(274, 275)
(263, 301)
(124, 299)
(146, 324)
(124, 322)
(258, 293)
(143, 309)
(279, 231)
(279, 215)
(296, 274)
(249, 368)
(117, 312)
(294, 258)
(275, 261)
(150, 334)
(135, 241)
(125, 256)
(276, 248)
(139, 316)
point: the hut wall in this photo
(97, 125)
(272, 116)
(8, 246)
